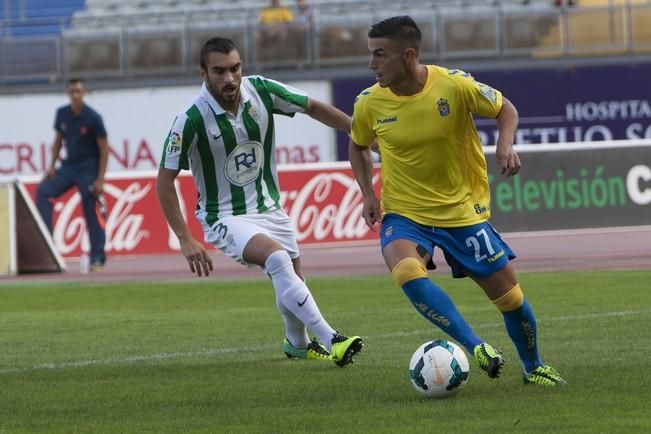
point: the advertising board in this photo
(567, 186)
(556, 104)
(137, 122)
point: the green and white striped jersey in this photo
(232, 158)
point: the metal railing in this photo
(162, 43)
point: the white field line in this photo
(218, 351)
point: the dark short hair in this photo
(75, 81)
(215, 44)
(401, 28)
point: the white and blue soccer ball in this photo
(439, 369)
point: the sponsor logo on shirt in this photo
(244, 163)
(387, 120)
(83, 131)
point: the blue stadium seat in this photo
(26, 18)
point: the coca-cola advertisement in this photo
(323, 201)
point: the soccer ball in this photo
(439, 369)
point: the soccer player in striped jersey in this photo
(435, 189)
(225, 136)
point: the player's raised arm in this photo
(507, 124)
(328, 115)
(193, 250)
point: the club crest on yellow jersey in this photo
(443, 106)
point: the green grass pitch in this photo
(204, 356)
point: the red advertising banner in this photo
(323, 201)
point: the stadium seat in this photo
(280, 45)
(30, 57)
(123, 37)
(600, 27)
(154, 49)
(523, 31)
(640, 28)
(470, 34)
(97, 52)
(589, 31)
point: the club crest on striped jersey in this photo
(253, 112)
(244, 163)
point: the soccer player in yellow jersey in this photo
(435, 189)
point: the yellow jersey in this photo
(278, 15)
(433, 167)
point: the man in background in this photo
(82, 131)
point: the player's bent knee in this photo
(512, 300)
(408, 269)
(278, 261)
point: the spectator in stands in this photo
(273, 36)
(303, 28)
(82, 131)
(304, 14)
(226, 137)
(276, 13)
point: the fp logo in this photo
(174, 145)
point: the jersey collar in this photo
(245, 96)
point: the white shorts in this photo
(231, 234)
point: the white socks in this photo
(295, 302)
(295, 331)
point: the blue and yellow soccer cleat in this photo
(313, 351)
(489, 359)
(343, 349)
(544, 376)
